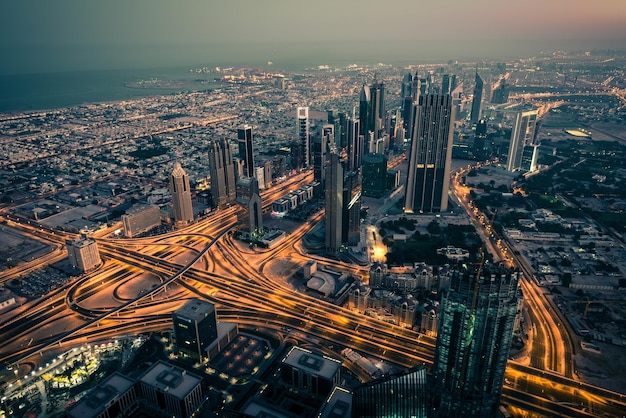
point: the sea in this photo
(44, 91)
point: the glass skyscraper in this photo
(476, 323)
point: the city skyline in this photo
(68, 34)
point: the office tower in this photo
(83, 253)
(417, 87)
(529, 157)
(374, 171)
(355, 144)
(182, 211)
(310, 373)
(445, 84)
(500, 92)
(428, 177)
(480, 138)
(402, 394)
(195, 328)
(334, 202)
(303, 135)
(114, 396)
(246, 150)
(140, 218)
(477, 99)
(170, 391)
(522, 135)
(319, 148)
(475, 330)
(268, 171)
(406, 89)
(248, 197)
(372, 113)
(351, 223)
(424, 86)
(222, 171)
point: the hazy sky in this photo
(36, 35)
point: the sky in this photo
(44, 35)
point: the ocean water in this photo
(28, 92)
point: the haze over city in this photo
(40, 36)
(243, 209)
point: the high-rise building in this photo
(374, 170)
(522, 135)
(403, 394)
(430, 156)
(475, 331)
(351, 222)
(501, 92)
(182, 210)
(477, 99)
(480, 139)
(355, 144)
(83, 253)
(303, 135)
(446, 86)
(310, 373)
(195, 328)
(222, 171)
(372, 112)
(319, 148)
(334, 203)
(248, 197)
(246, 150)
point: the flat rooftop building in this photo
(115, 396)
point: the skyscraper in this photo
(480, 137)
(475, 331)
(372, 112)
(428, 178)
(303, 135)
(355, 143)
(351, 224)
(394, 395)
(248, 197)
(334, 202)
(522, 135)
(246, 151)
(477, 100)
(182, 210)
(222, 171)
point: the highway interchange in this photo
(203, 260)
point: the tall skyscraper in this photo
(222, 171)
(303, 135)
(246, 150)
(475, 331)
(355, 143)
(374, 175)
(477, 100)
(195, 328)
(522, 135)
(334, 202)
(480, 138)
(182, 210)
(248, 197)
(351, 222)
(445, 84)
(430, 156)
(372, 112)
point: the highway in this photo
(202, 260)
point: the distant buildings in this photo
(475, 331)
(182, 210)
(222, 171)
(522, 152)
(428, 177)
(140, 218)
(83, 254)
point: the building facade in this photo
(334, 203)
(428, 178)
(195, 328)
(83, 254)
(245, 140)
(302, 132)
(522, 135)
(140, 218)
(477, 99)
(476, 322)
